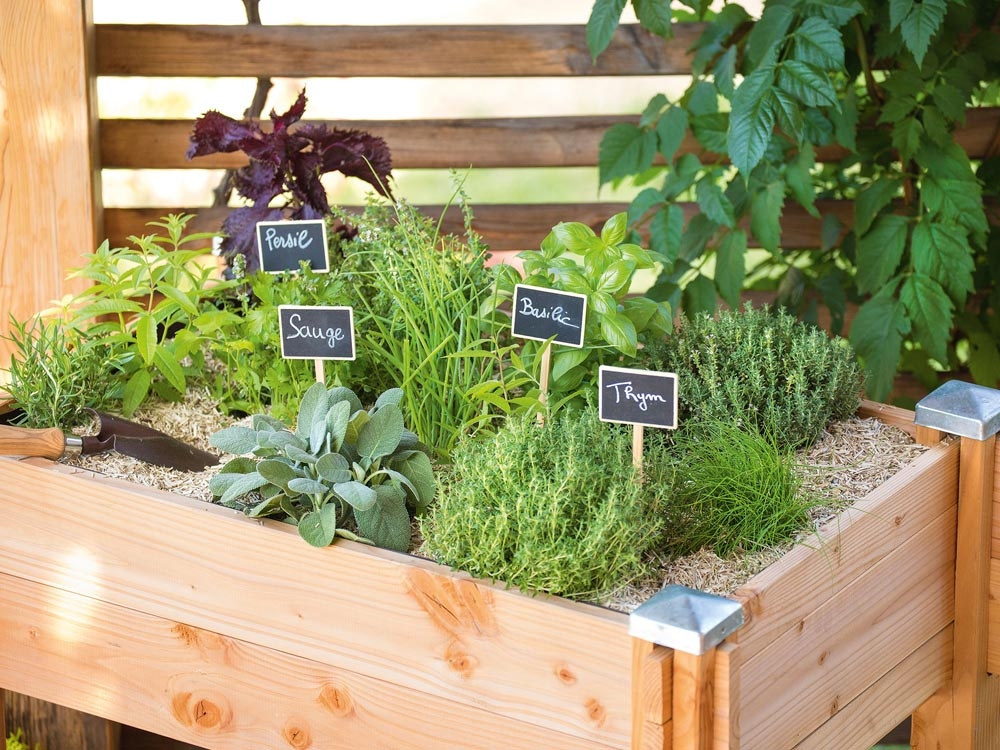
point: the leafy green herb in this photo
(343, 471)
(419, 297)
(554, 507)
(735, 491)
(142, 301)
(762, 370)
(573, 258)
(57, 373)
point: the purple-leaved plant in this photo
(286, 164)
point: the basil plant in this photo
(343, 471)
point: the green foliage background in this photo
(881, 84)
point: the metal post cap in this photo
(685, 619)
(960, 408)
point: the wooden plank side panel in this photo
(417, 51)
(568, 141)
(866, 719)
(560, 665)
(995, 525)
(993, 650)
(844, 646)
(779, 598)
(220, 692)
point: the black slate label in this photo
(316, 332)
(283, 244)
(546, 313)
(643, 397)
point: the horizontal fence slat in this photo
(406, 51)
(505, 227)
(566, 141)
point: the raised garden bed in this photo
(195, 622)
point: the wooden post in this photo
(965, 715)
(674, 701)
(652, 677)
(49, 178)
(52, 726)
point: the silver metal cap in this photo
(685, 619)
(960, 408)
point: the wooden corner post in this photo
(966, 714)
(676, 634)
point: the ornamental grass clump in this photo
(736, 491)
(554, 507)
(762, 369)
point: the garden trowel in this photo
(114, 433)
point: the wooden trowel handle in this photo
(49, 442)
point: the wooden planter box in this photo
(195, 622)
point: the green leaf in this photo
(809, 84)
(575, 236)
(417, 468)
(653, 110)
(381, 436)
(625, 150)
(670, 131)
(768, 34)
(279, 473)
(356, 494)
(306, 486)
(334, 468)
(710, 130)
(242, 485)
(920, 24)
(615, 229)
(169, 368)
(135, 392)
(236, 439)
(714, 203)
(907, 135)
(319, 527)
(730, 266)
(178, 297)
(818, 43)
(958, 201)
(604, 19)
(930, 309)
(876, 196)
(392, 396)
(752, 120)
(845, 121)
(877, 335)
(619, 331)
(880, 252)
(665, 231)
(337, 421)
(145, 337)
(699, 296)
(616, 278)
(765, 214)
(798, 177)
(386, 523)
(654, 15)
(312, 409)
(565, 359)
(724, 72)
(942, 252)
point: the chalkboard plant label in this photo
(316, 332)
(545, 314)
(638, 397)
(283, 245)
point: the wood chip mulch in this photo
(850, 460)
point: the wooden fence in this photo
(53, 147)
